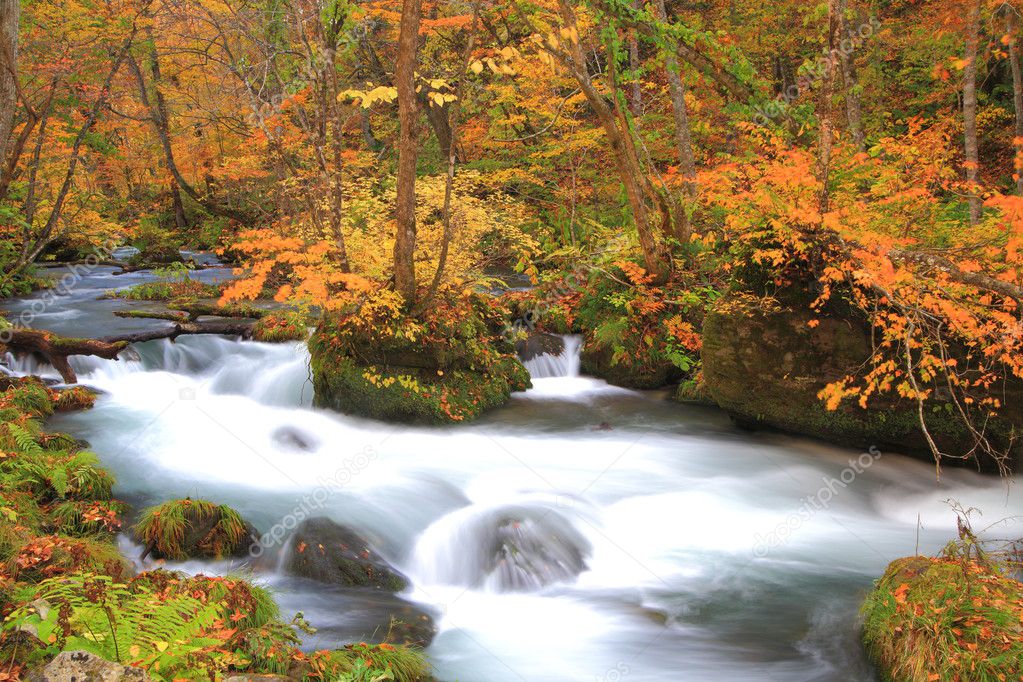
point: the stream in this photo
(709, 553)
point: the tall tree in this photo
(847, 55)
(1011, 29)
(408, 151)
(683, 134)
(10, 13)
(970, 146)
(825, 106)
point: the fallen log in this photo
(55, 349)
(221, 327)
(196, 309)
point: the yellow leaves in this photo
(367, 98)
(439, 99)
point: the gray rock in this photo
(81, 666)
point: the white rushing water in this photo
(702, 553)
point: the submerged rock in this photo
(328, 552)
(295, 439)
(527, 554)
(81, 666)
(506, 549)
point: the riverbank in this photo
(64, 585)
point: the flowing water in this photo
(655, 541)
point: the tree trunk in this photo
(853, 106)
(631, 174)
(180, 219)
(159, 116)
(637, 91)
(825, 107)
(970, 146)
(1017, 91)
(408, 111)
(10, 11)
(683, 136)
(449, 181)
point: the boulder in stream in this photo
(538, 343)
(329, 552)
(447, 366)
(765, 362)
(194, 529)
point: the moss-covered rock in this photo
(279, 327)
(945, 620)
(450, 366)
(326, 551)
(765, 362)
(192, 529)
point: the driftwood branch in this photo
(56, 349)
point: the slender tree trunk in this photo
(408, 112)
(970, 146)
(853, 106)
(825, 107)
(631, 174)
(683, 135)
(637, 90)
(449, 181)
(180, 219)
(10, 11)
(1017, 90)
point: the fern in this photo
(25, 439)
(172, 636)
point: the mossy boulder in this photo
(945, 619)
(280, 327)
(765, 361)
(535, 344)
(328, 552)
(194, 529)
(636, 372)
(451, 365)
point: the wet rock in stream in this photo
(328, 552)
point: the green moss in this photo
(454, 369)
(415, 395)
(76, 398)
(166, 291)
(281, 327)
(945, 620)
(182, 529)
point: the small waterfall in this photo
(270, 374)
(510, 548)
(565, 364)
